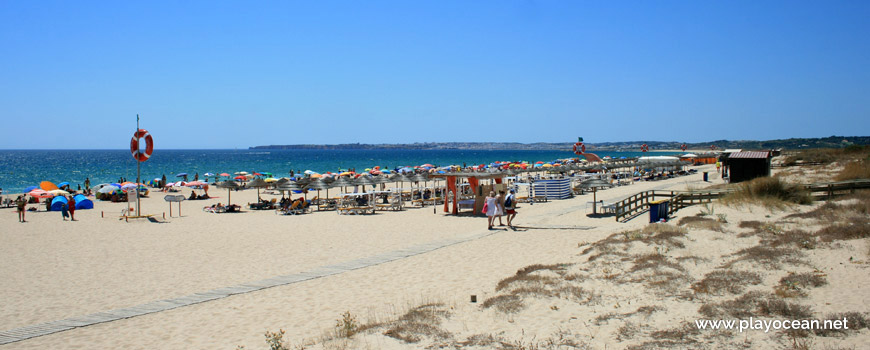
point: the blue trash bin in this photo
(658, 210)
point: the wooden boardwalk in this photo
(37, 330)
(637, 204)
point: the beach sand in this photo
(54, 270)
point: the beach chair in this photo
(292, 210)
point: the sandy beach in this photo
(55, 270)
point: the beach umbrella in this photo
(363, 181)
(224, 174)
(594, 184)
(208, 174)
(31, 188)
(128, 186)
(240, 177)
(108, 189)
(47, 185)
(287, 187)
(257, 183)
(229, 185)
(63, 184)
(319, 185)
(195, 183)
(40, 193)
(342, 182)
(181, 175)
(270, 179)
(59, 192)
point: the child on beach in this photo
(64, 210)
(490, 208)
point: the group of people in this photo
(501, 205)
(67, 210)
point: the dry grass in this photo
(657, 271)
(855, 321)
(741, 307)
(828, 155)
(720, 281)
(753, 224)
(779, 307)
(654, 261)
(681, 332)
(627, 331)
(418, 323)
(770, 192)
(793, 238)
(769, 257)
(645, 311)
(754, 304)
(702, 223)
(507, 303)
(859, 228)
(854, 170)
(794, 284)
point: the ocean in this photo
(22, 168)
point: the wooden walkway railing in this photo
(635, 205)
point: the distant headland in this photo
(793, 143)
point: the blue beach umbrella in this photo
(63, 184)
(181, 175)
(30, 188)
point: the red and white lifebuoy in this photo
(713, 147)
(134, 145)
(644, 148)
(579, 148)
(683, 147)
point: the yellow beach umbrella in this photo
(270, 179)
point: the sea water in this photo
(22, 168)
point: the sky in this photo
(215, 74)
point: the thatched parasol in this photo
(229, 185)
(257, 183)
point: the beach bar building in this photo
(747, 165)
(480, 190)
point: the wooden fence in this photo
(635, 205)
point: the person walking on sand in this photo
(72, 208)
(20, 203)
(510, 205)
(499, 208)
(490, 208)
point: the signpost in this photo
(174, 198)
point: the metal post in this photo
(138, 166)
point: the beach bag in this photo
(509, 201)
(485, 207)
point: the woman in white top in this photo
(491, 208)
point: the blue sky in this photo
(215, 74)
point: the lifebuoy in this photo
(683, 147)
(644, 148)
(134, 145)
(579, 148)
